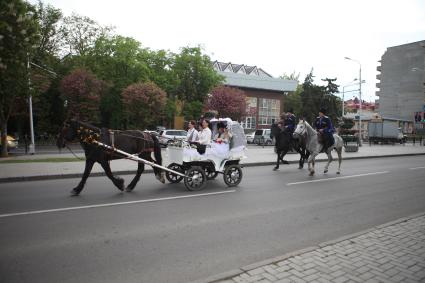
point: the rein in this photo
(73, 152)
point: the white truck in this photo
(384, 131)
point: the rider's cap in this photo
(323, 110)
(291, 110)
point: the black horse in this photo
(284, 143)
(134, 142)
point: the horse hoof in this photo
(161, 178)
(338, 173)
(326, 171)
(75, 193)
(300, 167)
(275, 169)
(129, 189)
(120, 184)
(311, 173)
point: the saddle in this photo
(325, 141)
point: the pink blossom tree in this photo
(228, 102)
(144, 104)
(82, 92)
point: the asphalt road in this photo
(163, 233)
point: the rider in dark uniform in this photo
(325, 128)
(290, 121)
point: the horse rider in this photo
(290, 121)
(281, 122)
(325, 129)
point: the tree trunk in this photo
(3, 129)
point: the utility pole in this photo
(31, 149)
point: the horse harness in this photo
(88, 133)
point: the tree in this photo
(293, 101)
(144, 104)
(195, 76)
(80, 33)
(293, 76)
(49, 34)
(18, 35)
(228, 102)
(314, 97)
(82, 92)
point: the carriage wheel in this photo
(195, 179)
(232, 175)
(173, 178)
(211, 173)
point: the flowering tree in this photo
(144, 104)
(82, 92)
(228, 102)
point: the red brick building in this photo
(265, 94)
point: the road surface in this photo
(164, 233)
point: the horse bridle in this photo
(303, 132)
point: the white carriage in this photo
(219, 158)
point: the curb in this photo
(132, 172)
(235, 272)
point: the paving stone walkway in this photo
(388, 253)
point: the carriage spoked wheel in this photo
(211, 173)
(232, 175)
(195, 179)
(173, 178)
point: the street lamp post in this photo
(31, 149)
(360, 96)
(343, 94)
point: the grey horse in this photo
(305, 130)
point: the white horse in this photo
(305, 130)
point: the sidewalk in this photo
(393, 252)
(257, 155)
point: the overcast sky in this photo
(277, 36)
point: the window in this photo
(249, 123)
(268, 111)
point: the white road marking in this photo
(416, 168)
(337, 178)
(110, 204)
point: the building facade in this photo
(265, 94)
(401, 82)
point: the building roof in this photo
(252, 77)
(257, 82)
(240, 69)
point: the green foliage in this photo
(79, 34)
(314, 97)
(192, 110)
(170, 111)
(293, 76)
(293, 100)
(195, 74)
(18, 35)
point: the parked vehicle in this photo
(262, 137)
(250, 137)
(12, 143)
(385, 131)
(168, 136)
